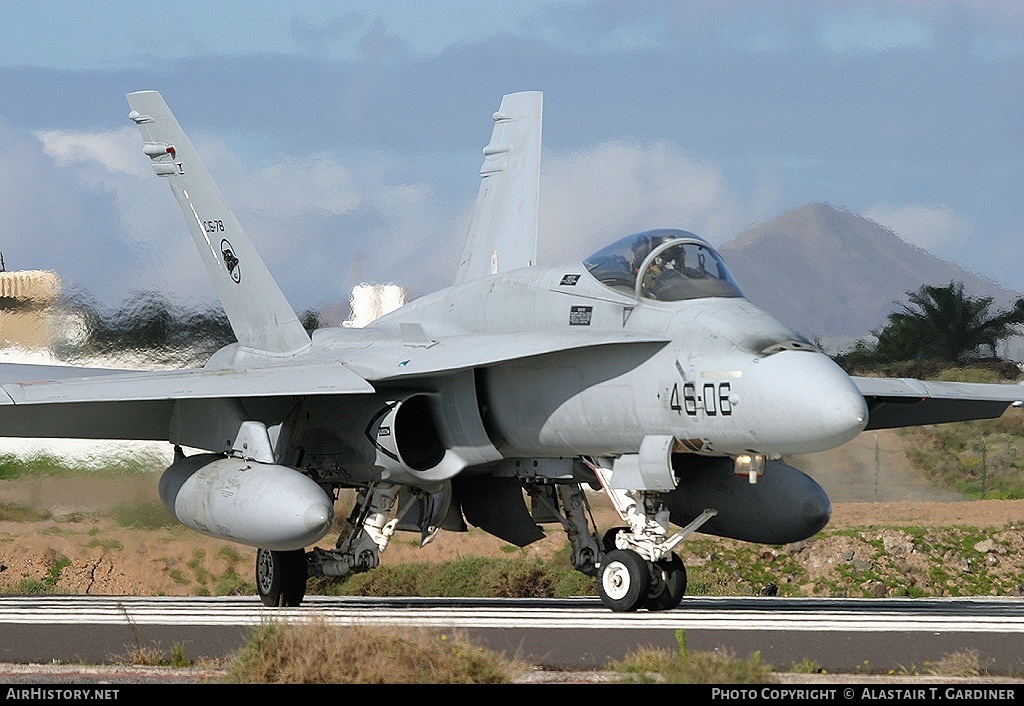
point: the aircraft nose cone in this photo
(810, 403)
(845, 413)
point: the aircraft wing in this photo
(904, 402)
(47, 402)
(100, 385)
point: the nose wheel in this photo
(625, 580)
(628, 582)
(668, 584)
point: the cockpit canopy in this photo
(666, 265)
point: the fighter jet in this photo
(501, 402)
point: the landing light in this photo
(749, 465)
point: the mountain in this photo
(830, 273)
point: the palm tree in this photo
(946, 324)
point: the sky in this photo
(347, 136)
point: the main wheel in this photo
(668, 585)
(625, 581)
(281, 577)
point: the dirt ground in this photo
(104, 558)
(80, 549)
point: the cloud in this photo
(48, 220)
(115, 150)
(933, 228)
(866, 30)
(285, 186)
(109, 167)
(316, 38)
(594, 197)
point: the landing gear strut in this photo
(364, 536)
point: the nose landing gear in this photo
(639, 568)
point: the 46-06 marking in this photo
(714, 399)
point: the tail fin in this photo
(260, 315)
(503, 231)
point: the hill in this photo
(831, 273)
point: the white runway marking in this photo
(867, 615)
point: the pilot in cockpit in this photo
(643, 247)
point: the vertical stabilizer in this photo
(260, 316)
(503, 230)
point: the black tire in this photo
(281, 577)
(608, 540)
(668, 585)
(624, 581)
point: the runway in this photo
(840, 634)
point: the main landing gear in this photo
(635, 565)
(281, 577)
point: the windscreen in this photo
(670, 265)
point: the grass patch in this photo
(27, 586)
(30, 586)
(649, 665)
(153, 656)
(55, 563)
(230, 554)
(980, 459)
(13, 512)
(966, 663)
(231, 583)
(318, 653)
(196, 564)
(496, 577)
(106, 464)
(807, 666)
(178, 577)
(146, 516)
